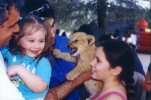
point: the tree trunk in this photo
(101, 12)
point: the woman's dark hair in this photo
(33, 23)
(118, 53)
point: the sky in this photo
(142, 3)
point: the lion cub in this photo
(83, 51)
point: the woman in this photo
(113, 65)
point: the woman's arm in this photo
(59, 92)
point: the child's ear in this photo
(117, 70)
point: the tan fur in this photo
(85, 53)
(85, 46)
(62, 55)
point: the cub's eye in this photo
(76, 41)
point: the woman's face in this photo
(100, 65)
(33, 44)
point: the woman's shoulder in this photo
(117, 95)
(113, 95)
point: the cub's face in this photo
(78, 42)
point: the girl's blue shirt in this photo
(41, 67)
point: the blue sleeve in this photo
(7, 55)
(61, 43)
(5, 52)
(44, 70)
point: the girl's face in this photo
(100, 65)
(33, 43)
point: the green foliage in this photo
(101, 11)
(148, 16)
(71, 14)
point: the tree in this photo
(148, 14)
(70, 14)
(101, 12)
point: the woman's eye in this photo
(41, 41)
(31, 40)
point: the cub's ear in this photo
(91, 39)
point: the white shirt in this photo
(8, 91)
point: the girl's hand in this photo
(14, 70)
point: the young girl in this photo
(114, 66)
(26, 64)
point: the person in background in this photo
(139, 75)
(61, 67)
(27, 66)
(93, 29)
(116, 35)
(130, 38)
